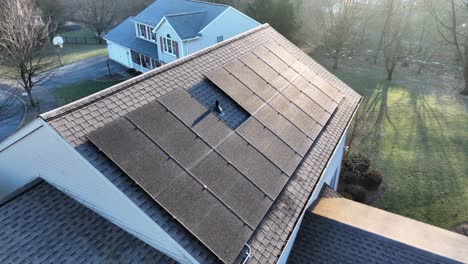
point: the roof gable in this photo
(187, 25)
(90, 113)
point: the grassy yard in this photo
(416, 134)
(73, 92)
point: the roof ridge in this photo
(71, 107)
(186, 13)
(208, 3)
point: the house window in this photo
(136, 57)
(169, 45)
(153, 35)
(142, 30)
(220, 39)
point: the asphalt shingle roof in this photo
(124, 34)
(202, 12)
(324, 240)
(76, 120)
(43, 225)
(187, 25)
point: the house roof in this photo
(43, 225)
(124, 34)
(338, 230)
(77, 120)
(187, 25)
(202, 12)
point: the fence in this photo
(82, 40)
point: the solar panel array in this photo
(219, 182)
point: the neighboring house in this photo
(217, 157)
(171, 29)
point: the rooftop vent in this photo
(218, 107)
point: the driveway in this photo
(89, 69)
(12, 113)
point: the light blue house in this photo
(171, 29)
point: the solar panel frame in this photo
(279, 51)
(251, 102)
(323, 85)
(315, 94)
(250, 79)
(245, 198)
(310, 107)
(171, 134)
(286, 130)
(125, 146)
(253, 164)
(264, 71)
(194, 115)
(279, 152)
(297, 116)
(201, 213)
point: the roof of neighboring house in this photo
(124, 34)
(77, 120)
(187, 25)
(43, 225)
(154, 13)
(338, 230)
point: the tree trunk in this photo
(31, 99)
(336, 59)
(465, 67)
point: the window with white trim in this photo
(142, 30)
(169, 45)
(153, 35)
(219, 39)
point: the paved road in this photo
(89, 69)
(12, 112)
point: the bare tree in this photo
(99, 15)
(22, 43)
(451, 17)
(397, 43)
(388, 13)
(54, 12)
(339, 21)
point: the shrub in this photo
(371, 180)
(350, 177)
(357, 192)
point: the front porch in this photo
(144, 63)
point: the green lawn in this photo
(74, 53)
(73, 92)
(418, 138)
